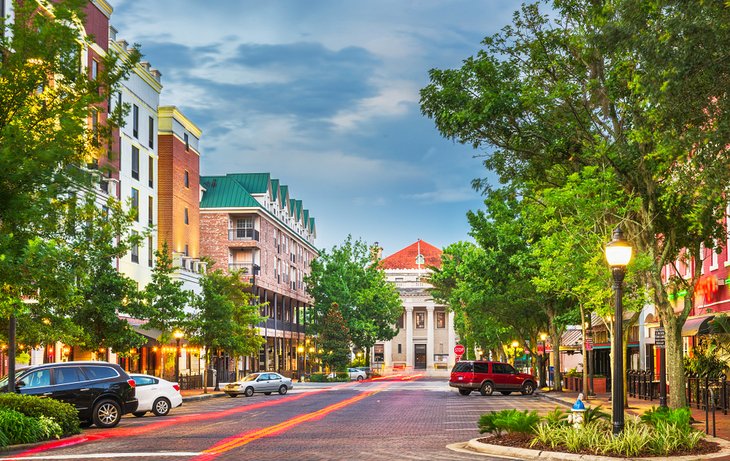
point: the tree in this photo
(164, 300)
(45, 138)
(635, 87)
(349, 276)
(335, 339)
(225, 316)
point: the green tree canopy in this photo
(334, 341)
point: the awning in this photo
(697, 326)
(571, 340)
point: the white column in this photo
(388, 355)
(409, 337)
(429, 337)
(452, 338)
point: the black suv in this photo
(101, 392)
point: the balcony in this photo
(249, 268)
(243, 234)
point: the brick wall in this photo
(214, 238)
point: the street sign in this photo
(459, 349)
(589, 344)
(659, 338)
(458, 357)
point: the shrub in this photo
(557, 417)
(20, 428)
(680, 416)
(317, 377)
(62, 413)
(509, 421)
(50, 429)
(593, 414)
(632, 440)
(339, 376)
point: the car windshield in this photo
(4, 380)
(251, 377)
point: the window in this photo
(67, 375)
(400, 322)
(440, 319)
(714, 257)
(135, 203)
(94, 372)
(144, 381)
(187, 179)
(463, 367)
(151, 251)
(244, 228)
(187, 141)
(135, 121)
(502, 368)
(481, 367)
(94, 69)
(151, 171)
(420, 320)
(135, 162)
(37, 379)
(151, 137)
(400, 348)
(379, 353)
(186, 250)
(150, 210)
(135, 252)
(187, 221)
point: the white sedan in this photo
(156, 395)
(354, 374)
(266, 382)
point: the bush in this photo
(594, 414)
(20, 428)
(317, 378)
(62, 413)
(680, 416)
(509, 421)
(557, 417)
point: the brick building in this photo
(250, 222)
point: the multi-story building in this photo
(250, 222)
(426, 336)
(138, 159)
(179, 194)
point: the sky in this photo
(324, 95)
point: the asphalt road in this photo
(372, 420)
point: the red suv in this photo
(487, 377)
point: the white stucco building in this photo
(426, 338)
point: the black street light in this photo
(178, 335)
(618, 255)
(543, 371)
(589, 356)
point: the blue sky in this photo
(324, 95)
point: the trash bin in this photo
(210, 377)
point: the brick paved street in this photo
(411, 420)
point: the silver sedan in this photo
(266, 382)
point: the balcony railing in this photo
(243, 234)
(250, 268)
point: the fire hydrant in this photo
(576, 413)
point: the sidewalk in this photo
(638, 407)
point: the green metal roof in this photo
(299, 210)
(274, 189)
(284, 195)
(306, 219)
(225, 192)
(312, 229)
(254, 183)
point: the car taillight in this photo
(131, 383)
(176, 387)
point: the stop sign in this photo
(459, 349)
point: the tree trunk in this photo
(675, 367)
(583, 349)
(555, 358)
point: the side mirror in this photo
(20, 384)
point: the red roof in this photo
(406, 258)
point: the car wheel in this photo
(248, 392)
(107, 413)
(528, 388)
(267, 393)
(139, 414)
(161, 407)
(282, 389)
(464, 391)
(506, 392)
(359, 378)
(487, 388)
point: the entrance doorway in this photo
(420, 355)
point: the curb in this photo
(195, 398)
(474, 445)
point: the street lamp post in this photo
(300, 355)
(618, 255)
(543, 371)
(515, 345)
(589, 358)
(178, 335)
(311, 352)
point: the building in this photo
(250, 222)
(426, 339)
(179, 194)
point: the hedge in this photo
(62, 413)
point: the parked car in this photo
(368, 371)
(354, 374)
(487, 377)
(266, 382)
(101, 392)
(156, 395)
